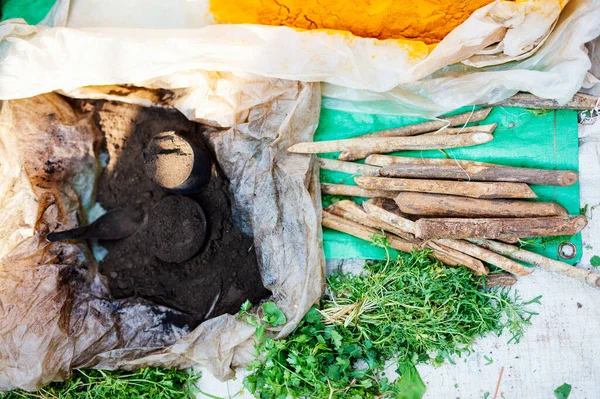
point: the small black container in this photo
(176, 229)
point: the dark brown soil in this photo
(224, 270)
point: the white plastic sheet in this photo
(358, 69)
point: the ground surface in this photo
(561, 345)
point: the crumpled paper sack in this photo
(55, 310)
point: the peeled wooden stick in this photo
(454, 257)
(409, 226)
(467, 189)
(482, 173)
(531, 258)
(430, 126)
(393, 219)
(390, 144)
(387, 160)
(411, 130)
(355, 191)
(454, 206)
(488, 256)
(499, 228)
(459, 253)
(349, 167)
(366, 233)
(352, 211)
(463, 130)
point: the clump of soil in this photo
(223, 272)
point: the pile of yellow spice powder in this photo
(426, 20)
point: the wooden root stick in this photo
(463, 130)
(349, 167)
(500, 280)
(412, 130)
(363, 232)
(390, 144)
(387, 160)
(467, 189)
(352, 211)
(430, 126)
(354, 225)
(482, 173)
(377, 211)
(488, 256)
(499, 227)
(543, 262)
(458, 257)
(355, 191)
(454, 206)
(580, 102)
(409, 226)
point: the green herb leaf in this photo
(336, 338)
(252, 320)
(489, 360)
(563, 391)
(313, 315)
(595, 261)
(486, 395)
(380, 240)
(273, 316)
(409, 385)
(246, 306)
(260, 332)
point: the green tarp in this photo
(526, 138)
(33, 11)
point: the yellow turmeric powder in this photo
(425, 20)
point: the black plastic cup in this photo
(177, 164)
(177, 229)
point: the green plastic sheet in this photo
(525, 138)
(33, 11)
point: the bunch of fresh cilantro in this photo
(406, 311)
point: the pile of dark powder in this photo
(221, 276)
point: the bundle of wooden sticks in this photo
(466, 212)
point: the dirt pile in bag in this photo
(222, 275)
